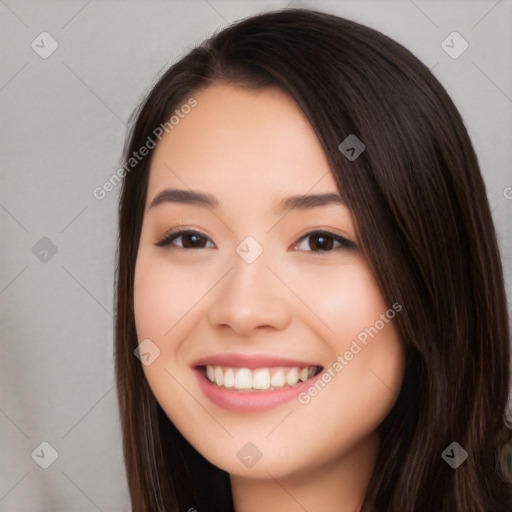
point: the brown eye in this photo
(321, 242)
(324, 241)
(190, 239)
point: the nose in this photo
(249, 297)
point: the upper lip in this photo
(251, 361)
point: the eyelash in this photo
(344, 242)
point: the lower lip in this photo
(247, 401)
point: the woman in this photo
(309, 276)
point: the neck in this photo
(338, 484)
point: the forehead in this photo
(238, 139)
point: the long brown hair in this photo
(424, 224)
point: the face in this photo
(273, 301)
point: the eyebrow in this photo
(301, 202)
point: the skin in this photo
(250, 149)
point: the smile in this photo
(258, 379)
(251, 384)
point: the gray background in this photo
(61, 133)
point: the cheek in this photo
(151, 298)
(360, 327)
(163, 294)
(345, 298)
(162, 298)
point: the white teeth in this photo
(219, 376)
(243, 379)
(278, 379)
(260, 378)
(229, 378)
(292, 377)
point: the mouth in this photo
(256, 383)
(258, 379)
